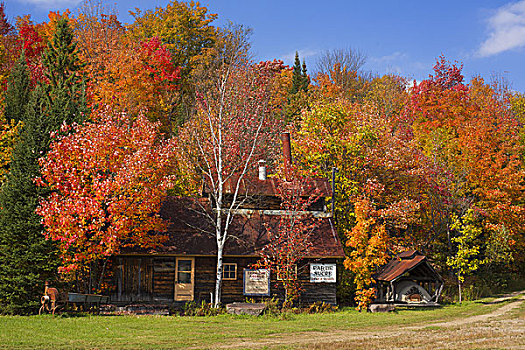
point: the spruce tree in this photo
(26, 258)
(300, 79)
(297, 78)
(65, 93)
(17, 94)
(305, 81)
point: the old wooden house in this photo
(408, 278)
(184, 267)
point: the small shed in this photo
(408, 278)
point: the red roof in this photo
(191, 232)
(269, 187)
(405, 262)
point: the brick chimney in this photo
(287, 155)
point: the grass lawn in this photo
(167, 332)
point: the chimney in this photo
(262, 170)
(287, 155)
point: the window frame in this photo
(234, 272)
(280, 279)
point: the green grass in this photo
(166, 332)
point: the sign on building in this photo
(256, 282)
(322, 273)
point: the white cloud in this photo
(396, 56)
(51, 4)
(303, 54)
(507, 30)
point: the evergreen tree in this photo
(297, 78)
(17, 94)
(65, 93)
(26, 258)
(300, 79)
(305, 79)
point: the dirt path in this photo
(497, 329)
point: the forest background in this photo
(100, 121)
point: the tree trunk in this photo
(218, 279)
(459, 288)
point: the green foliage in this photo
(300, 79)
(65, 92)
(26, 258)
(18, 89)
(204, 309)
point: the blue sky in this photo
(403, 37)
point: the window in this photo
(279, 277)
(229, 271)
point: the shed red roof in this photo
(191, 233)
(405, 262)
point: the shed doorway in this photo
(184, 279)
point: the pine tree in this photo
(65, 93)
(17, 94)
(297, 78)
(300, 79)
(26, 258)
(305, 79)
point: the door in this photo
(184, 279)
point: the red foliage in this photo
(290, 241)
(33, 45)
(158, 62)
(108, 180)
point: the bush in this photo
(205, 309)
(321, 308)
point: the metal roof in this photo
(404, 262)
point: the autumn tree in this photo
(470, 138)
(187, 31)
(32, 43)
(374, 164)
(184, 27)
(370, 243)
(467, 256)
(228, 136)
(290, 240)
(107, 181)
(8, 51)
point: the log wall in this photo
(152, 279)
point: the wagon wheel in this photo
(44, 306)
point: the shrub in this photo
(321, 307)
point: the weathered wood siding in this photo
(133, 279)
(313, 292)
(164, 278)
(152, 279)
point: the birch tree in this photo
(229, 134)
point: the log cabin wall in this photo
(318, 291)
(133, 279)
(152, 279)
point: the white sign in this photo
(322, 273)
(257, 282)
